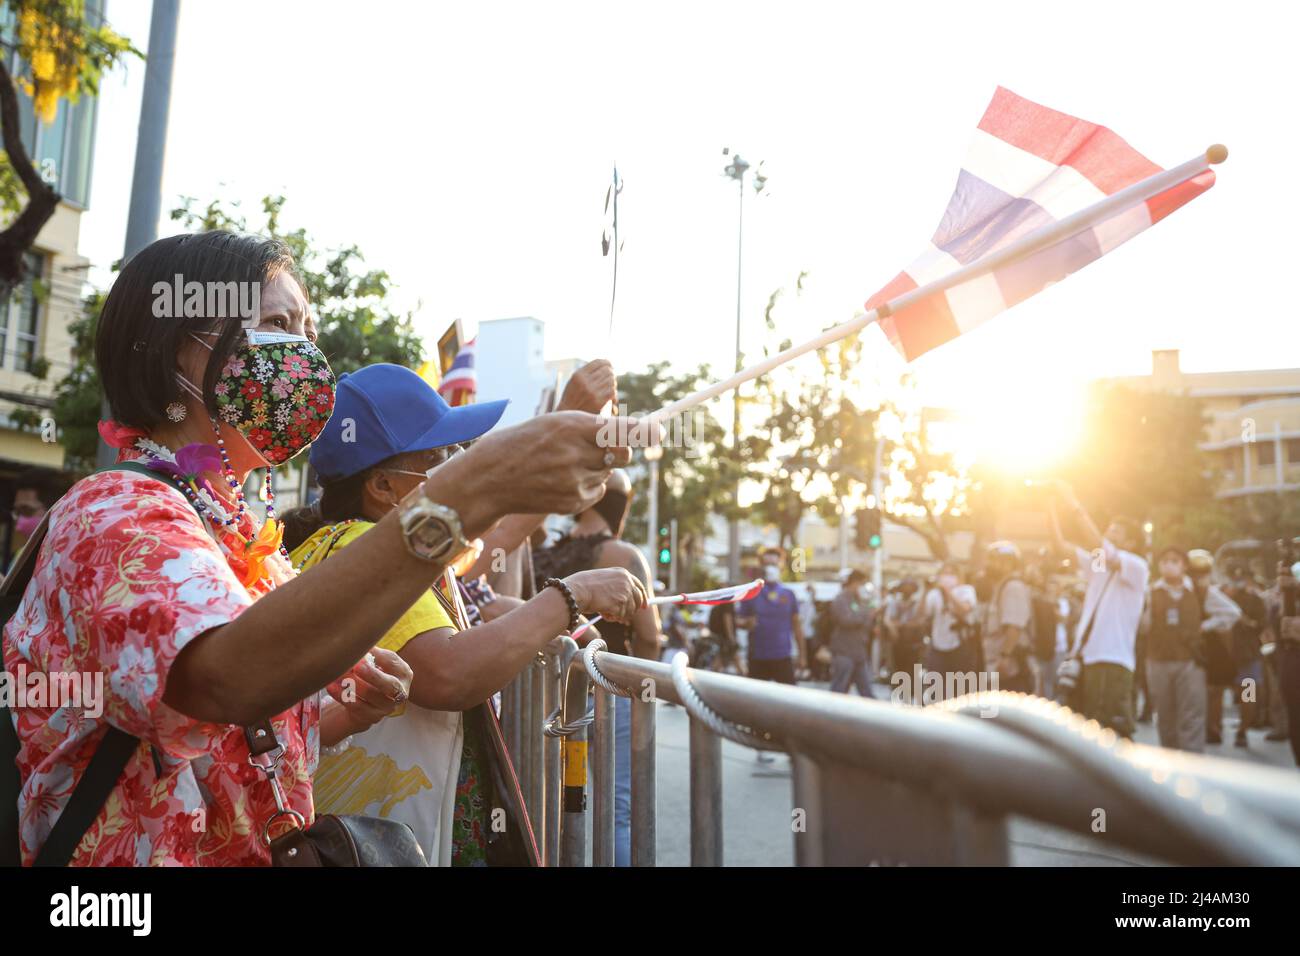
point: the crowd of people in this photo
(269, 681)
(1090, 623)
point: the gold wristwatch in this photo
(432, 531)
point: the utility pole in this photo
(672, 566)
(736, 170)
(844, 537)
(652, 456)
(150, 146)
(877, 492)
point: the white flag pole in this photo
(1026, 246)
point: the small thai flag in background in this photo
(1028, 167)
(460, 383)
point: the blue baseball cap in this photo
(385, 410)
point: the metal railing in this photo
(877, 783)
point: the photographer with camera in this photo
(954, 632)
(852, 620)
(1007, 618)
(1220, 616)
(1175, 655)
(1097, 676)
(1051, 632)
(906, 625)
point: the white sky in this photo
(466, 149)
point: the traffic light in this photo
(665, 548)
(866, 530)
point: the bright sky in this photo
(466, 149)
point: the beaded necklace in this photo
(325, 534)
(204, 499)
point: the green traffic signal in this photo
(665, 556)
(874, 541)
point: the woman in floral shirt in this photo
(170, 588)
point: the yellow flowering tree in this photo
(63, 51)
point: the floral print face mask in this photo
(277, 391)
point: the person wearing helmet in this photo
(1104, 648)
(1220, 616)
(1007, 617)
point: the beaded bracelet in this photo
(575, 616)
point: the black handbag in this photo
(348, 840)
(332, 840)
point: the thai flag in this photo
(728, 595)
(1028, 168)
(460, 383)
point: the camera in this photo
(1067, 679)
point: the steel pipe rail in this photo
(884, 783)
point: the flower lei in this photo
(246, 556)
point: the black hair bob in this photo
(136, 349)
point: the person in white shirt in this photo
(952, 651)
(1106, 638)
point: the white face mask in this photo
(771, 573)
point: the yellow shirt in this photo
(426, 614)
(406, 766)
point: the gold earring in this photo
(176, 411)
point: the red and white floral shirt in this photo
(127, 576)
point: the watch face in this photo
(433, 536)
(432, 531)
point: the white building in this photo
(509, 364)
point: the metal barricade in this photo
(877, 783)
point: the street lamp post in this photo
(150, 147)
(736, 170)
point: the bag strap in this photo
(1087, 631)
(111, 755)
(92, 792)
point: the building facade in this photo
(1253, 434)
(35, 340)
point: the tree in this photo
(356, 325)
(927, 489)
(64, 52)
(694, 479)
(814, 449)
(1139, 455)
